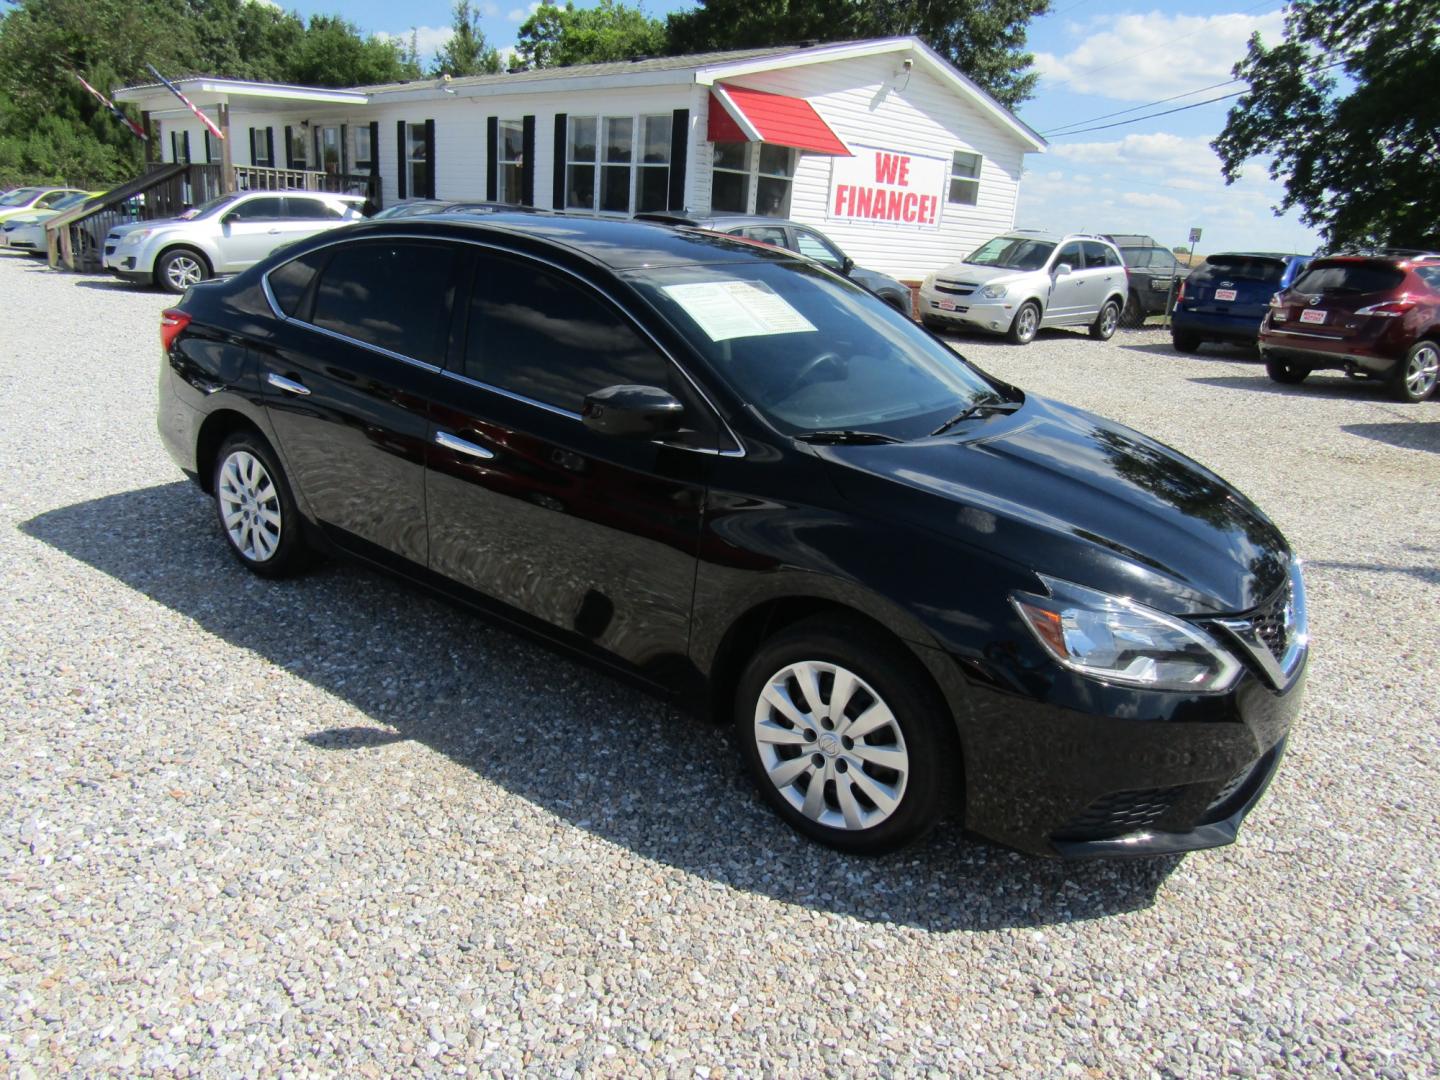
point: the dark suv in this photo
(723, 470)
(1372, 317)
(1155, 275)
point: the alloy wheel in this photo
(249, 506)
(1109, 319)
(1028, 320)
(831, 746)
(184, 271)
(1422, 371)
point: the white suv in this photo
(223, 236)
(1017, 283)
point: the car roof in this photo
(711, 221)
(617, 244)
(1052, 237)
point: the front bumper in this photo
(971, 311)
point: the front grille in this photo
(1119, 813)
(109, 249)
(1272, 623)
(956, 288)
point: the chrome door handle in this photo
(273, 232)
(460, 446)
(289, 385)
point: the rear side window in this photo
(396, 295)
(1247, 267)
(310, 208)
(544, 336)
(768, 234)
(260, 209)
(1430, 275)
(812, 247)
(1349, 277)
(290, 283)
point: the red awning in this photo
(738, 114)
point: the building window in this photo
(417, 161)
(652, 188)
(752, 178)
(296, 152)
(603, 170)
(364, 149)
(260, 148)
(965, 178)
(580, 164)
(615, 168)
(511, 162)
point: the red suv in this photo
(1375, 317)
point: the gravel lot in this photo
(331, 826)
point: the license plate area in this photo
(947, 305)
(1225, 294)
(1312, 315)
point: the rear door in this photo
(348, 379)
(250, 231)
(595, 535)
(306, 215)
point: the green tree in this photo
(331, 52)
(1340, 108)
(984, 39)
(467, 52)
(558, 37)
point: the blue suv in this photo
(1225, 298)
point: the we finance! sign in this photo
(887, 185)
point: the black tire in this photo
(179, 268)
(1103, 328)
(932, 323)
(1133, 316)
(1415, 378)
(920, 735)
(1183, 342)
(1286, 371)
(266, 533)
(1025, 325)
(900, 304)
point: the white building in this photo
(881, 144)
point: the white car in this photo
(223, 236)
(26, 232)
(19, 201)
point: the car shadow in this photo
(1417, 435)
(577, 742)
(1317, 385)
(1209, 351)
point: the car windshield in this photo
(20, 196)
(1012, 253)
(70, 200)
(812, 353)
(208, 208)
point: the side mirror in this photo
(632, 412)
(1062, 269)
(846, 265)
(230, 218)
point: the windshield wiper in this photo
(979, 408)
(845, 436)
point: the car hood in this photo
(1063, 492)
(981, 275)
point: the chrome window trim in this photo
(736, 451)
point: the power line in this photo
(1136, 108)
(1151, 116)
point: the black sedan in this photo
(738, 477)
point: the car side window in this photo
(542, 335)
(1163, 260)
(394, 294)
(259, 209)
(50, 200)
(1430, 275)
(1095, 255)
(310, 209)
(1070, 255)
(290, 283)
(766, 234)
(813, 247)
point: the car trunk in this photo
(1325, 298)
(1238, 285)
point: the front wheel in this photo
(1026, 324)
(1103, 328)
(180, 268)
(256, 510)
(1415, 379)
(843, 736)
(1286, 371)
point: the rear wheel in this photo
(1103, 328)
(1134, 313)
(1025, 325)
(844, 737)
(1183, 342)
(256, 510)
(179, 268)
(1286, 371)
(1415, 379)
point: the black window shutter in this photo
(430, 157)
(252, 148)
(374, 147)
(187, 148)
(345, 163)
(679, 154)
(289, 147)
(492, 157)
(400, 150)
(527, 150)
(562, 129)
(270, 146)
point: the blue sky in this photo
(1095, 57)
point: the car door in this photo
(249, 231)
(305, 216)
(1102, 277)
(1067, 290)
(595, 535)
(348, 379)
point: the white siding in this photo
(865, 101)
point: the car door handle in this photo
(460, 446)
(288, 385)
(273, 232)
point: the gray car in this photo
(1020, 282)
(811, 243)
(224, 236)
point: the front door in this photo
(349, 380)
(330, 149)
(595, 535)
(1067, 289)
(250, 231)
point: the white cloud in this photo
(516, 15)
(1151, 56)
(490, 11)
(429, 40)
(1147, 200)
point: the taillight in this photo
(1390, 309)
(172, 321)
(1180, 292)
(1275, 300)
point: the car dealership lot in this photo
(332, 825)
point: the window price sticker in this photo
(734, 309)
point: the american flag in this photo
(135, 128)
(188, 103)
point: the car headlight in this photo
(994, 292)
(929, 281)
(1117, 640)
(136, 236)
